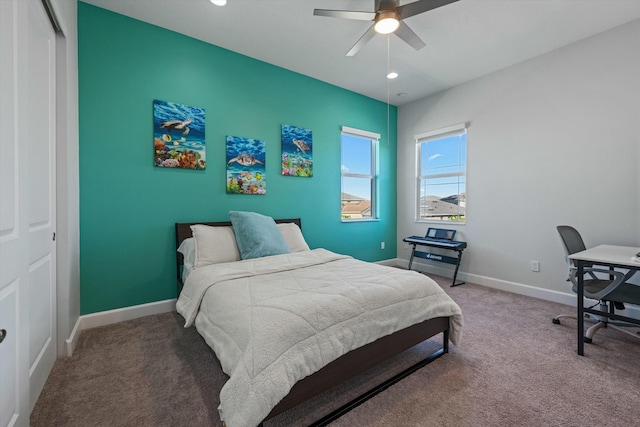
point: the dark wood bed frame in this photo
(352, 363)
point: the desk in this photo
(452, 245)
(606, 255)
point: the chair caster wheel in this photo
(587, 340)
(555, 321)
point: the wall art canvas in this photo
(297, 151)
(246, 166)
(178, 136)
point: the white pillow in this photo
(214, 245)
(188, 250)
(293, 236)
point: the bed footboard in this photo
(362, 359)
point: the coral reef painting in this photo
(245, 166)
(297, 151)
(178, 136)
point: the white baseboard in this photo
(567, 298)
(127, 313)
(108, 317)
(72, 341)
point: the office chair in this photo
(611, 293)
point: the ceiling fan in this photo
(387, 19)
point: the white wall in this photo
(553, 140)
(68, 212)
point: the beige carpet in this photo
(513, 368)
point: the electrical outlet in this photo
(381, 245)
(535, 266)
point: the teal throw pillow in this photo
(257, 235)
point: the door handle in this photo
(3, 334)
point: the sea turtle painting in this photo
(245, 159)
(297, 151)
(186, 148)
(246, 166)
(177, 125)
(301, 145)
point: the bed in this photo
(287, 327)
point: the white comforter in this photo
(275, 320)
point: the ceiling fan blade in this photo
(420, 6)
(362, 41)
(407, 34)
(345, 14)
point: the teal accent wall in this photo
(128, 207)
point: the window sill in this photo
(439, 221)
(360, 220)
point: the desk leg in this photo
(412, 254)
(455, 273)
(580, 308)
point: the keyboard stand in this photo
(452, 245)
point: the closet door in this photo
(27, 207)
(14, 370)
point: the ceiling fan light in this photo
(386, 23)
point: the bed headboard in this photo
(183, 231)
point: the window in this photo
(358, 174)
(442, 174)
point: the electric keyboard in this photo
(438, 238)
(435, 242)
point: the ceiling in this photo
(464, 40)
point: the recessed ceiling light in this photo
(219, 2)
(392, 75)
(401, 94)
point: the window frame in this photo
(374, 138)
(437, 134)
